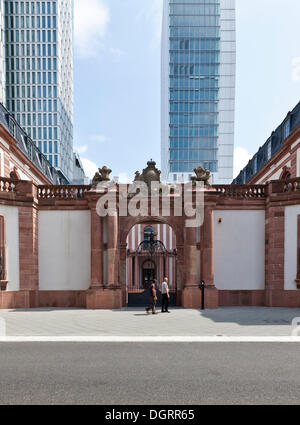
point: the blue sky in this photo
(117, 78)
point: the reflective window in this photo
(194, 84)
(287, 128)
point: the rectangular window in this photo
(255, 165)
(287, 128)
(269, 150)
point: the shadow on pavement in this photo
(252, 316)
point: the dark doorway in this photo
(149, 273)
(151, 255)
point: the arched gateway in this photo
(151, 255)
(194, 246)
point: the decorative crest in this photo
(202, 175)
(102, 176)
(149, 174)
(14, 175)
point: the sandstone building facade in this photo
(56, 251)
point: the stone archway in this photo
(175, 223)
(194, 245)
(144, 264)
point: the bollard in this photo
(202, 295)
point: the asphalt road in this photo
(150, 373)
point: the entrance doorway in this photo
(151, 254)
(149, 273)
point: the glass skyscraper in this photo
(198, 88)
(39, 75)
(2, 55)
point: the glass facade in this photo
(191, 89)
(2, 55)
(39, 75)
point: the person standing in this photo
(165, 296)
(153, 298)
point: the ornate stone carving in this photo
(14, 175)
(149, 174)
(102, 176)
(202, 175)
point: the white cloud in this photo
(296, 69)
(81, 149)
(241, 159)
(91, 18)
(89, 167)
(98, 138)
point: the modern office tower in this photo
(198, 88)
(2, 55)
(39, 75)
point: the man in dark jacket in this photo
(153, 298)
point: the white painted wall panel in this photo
(64, 250)
(290, 247)
(239, 250)
(11, 215)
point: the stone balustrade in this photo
(292, 185)
(280, 187)
(241, 191)
(78, 192)
(62, 192)
(7, 185)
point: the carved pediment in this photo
(102, 176)
(202, 175)
(14, 175)
(149, 174)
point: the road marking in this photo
(145, 339)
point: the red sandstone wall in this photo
(272, 198)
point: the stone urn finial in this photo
(202, 175)
(103, 175)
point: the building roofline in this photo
(277, 140)
(27, 149)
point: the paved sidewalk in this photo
(231, 322)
